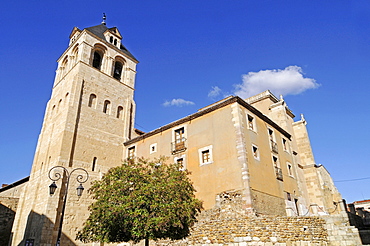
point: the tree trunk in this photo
(146, 242)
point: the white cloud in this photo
(214, 92)
(279, 82)
(177, 102)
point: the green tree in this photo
(141, 199)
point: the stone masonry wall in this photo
(266, 204)
(229, 224)
(8, 207)
(216, 228)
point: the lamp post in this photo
(81, 178)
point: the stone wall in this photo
(267, 204)
(229, 224)
(8, 207)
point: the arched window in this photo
(111, 39)
(59, 104)
(118, 68)
(66, 98)
(97, 60)
(63, 67)
(97, 56)
(106, 107)
(74, 55)
(119, 112)
(92, 101)
(117, 72)
(52, 111)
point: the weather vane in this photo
(104, 18)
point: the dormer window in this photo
(113, 36)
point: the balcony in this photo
(274, 146)
(279, 173)
(178, 146)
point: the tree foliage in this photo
(139, 200)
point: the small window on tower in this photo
(92, 101)
(119, 112)
(106, 107)
(97, 60)
(111, 39)
(117, 72)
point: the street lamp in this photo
(81, 178)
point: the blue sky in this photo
(188, 49)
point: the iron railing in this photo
(279, 173)
(178, 146)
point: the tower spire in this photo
(104, 18)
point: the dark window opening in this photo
(115, 41)
(106, 106)
(119, 112)
(92, 100)
(111, 39)
(97, 60)
(117, 72)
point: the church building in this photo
(251, 147)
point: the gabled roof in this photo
(99, 31)
(75, 29)
(114, 30)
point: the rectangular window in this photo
(180, 134)
(288, 196)
(153, 148)
(251, 123)
(205, 155)
(290, 169)
(278, 170)
(179, 140)
(181, 161)
(285, 145)
(131, 152)
(256, 153)
(273, 143)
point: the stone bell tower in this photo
(88, 117)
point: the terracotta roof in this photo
(207, 110)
